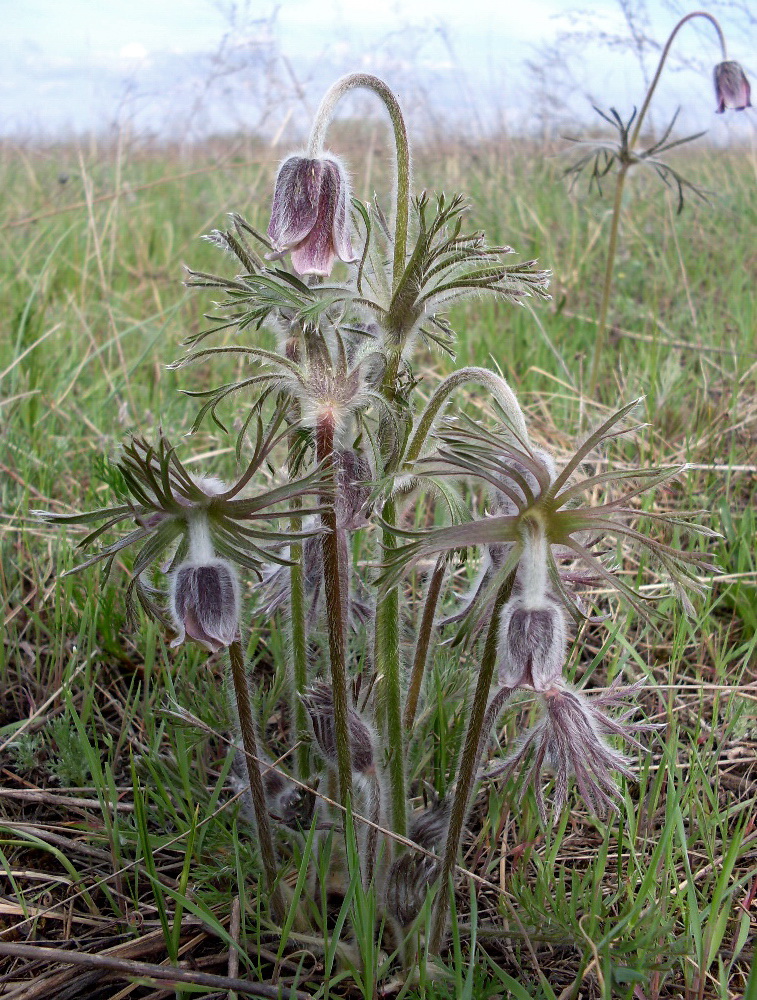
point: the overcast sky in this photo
(193, 66)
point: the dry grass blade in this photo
(146, 970)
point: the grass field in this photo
(118, 832)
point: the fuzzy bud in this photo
(205, 603)
(732, 88)
(319, 702)
(428, 828)
(309, 217)
(531, 645)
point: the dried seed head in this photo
(407, 884)
(205, 603)
(732, 88)
(309, 217)
(319, 702)
(531, 645)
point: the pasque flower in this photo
(204, 592)
(732, 88)
(309, 217)
(554, 511)
(206, 527)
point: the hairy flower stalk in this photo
(387, 609)
(425, 631)
(249, 743)
(297, 629)
(468, 765)
(732, 90)
(335, 610)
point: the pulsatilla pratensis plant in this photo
(732, 91)
(335, 399)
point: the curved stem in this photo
(424, 640)
(318, 133)
(663, 59)
(251, 756)
(496, 385)
(468, 766)
(599, 341)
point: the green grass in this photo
(117, 828)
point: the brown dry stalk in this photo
(148, 970)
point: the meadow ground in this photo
(118, 833)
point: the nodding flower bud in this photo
(531, 645)
(205, 603)
(532, 631)
(732, 88)
(309, 217)
(204, 590)
(318, 699)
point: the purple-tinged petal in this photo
(205, 604)
(295, 201)
(732, 88)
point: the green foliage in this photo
(685, 319)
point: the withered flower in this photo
(309, 214)
(569, 740)
(732, 88)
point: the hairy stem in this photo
(468, 766)
(425, 629)
(388, 667)
(371, 835)
(494, 383)
(298, 639)
(601, 336)
(599, 343)
(251, 756)
(335, 606)
(663, 60)
(318, 134)
(297, 627)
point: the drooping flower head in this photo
(309, 217)
(205, 603)
(206, 527)
(732, 88)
